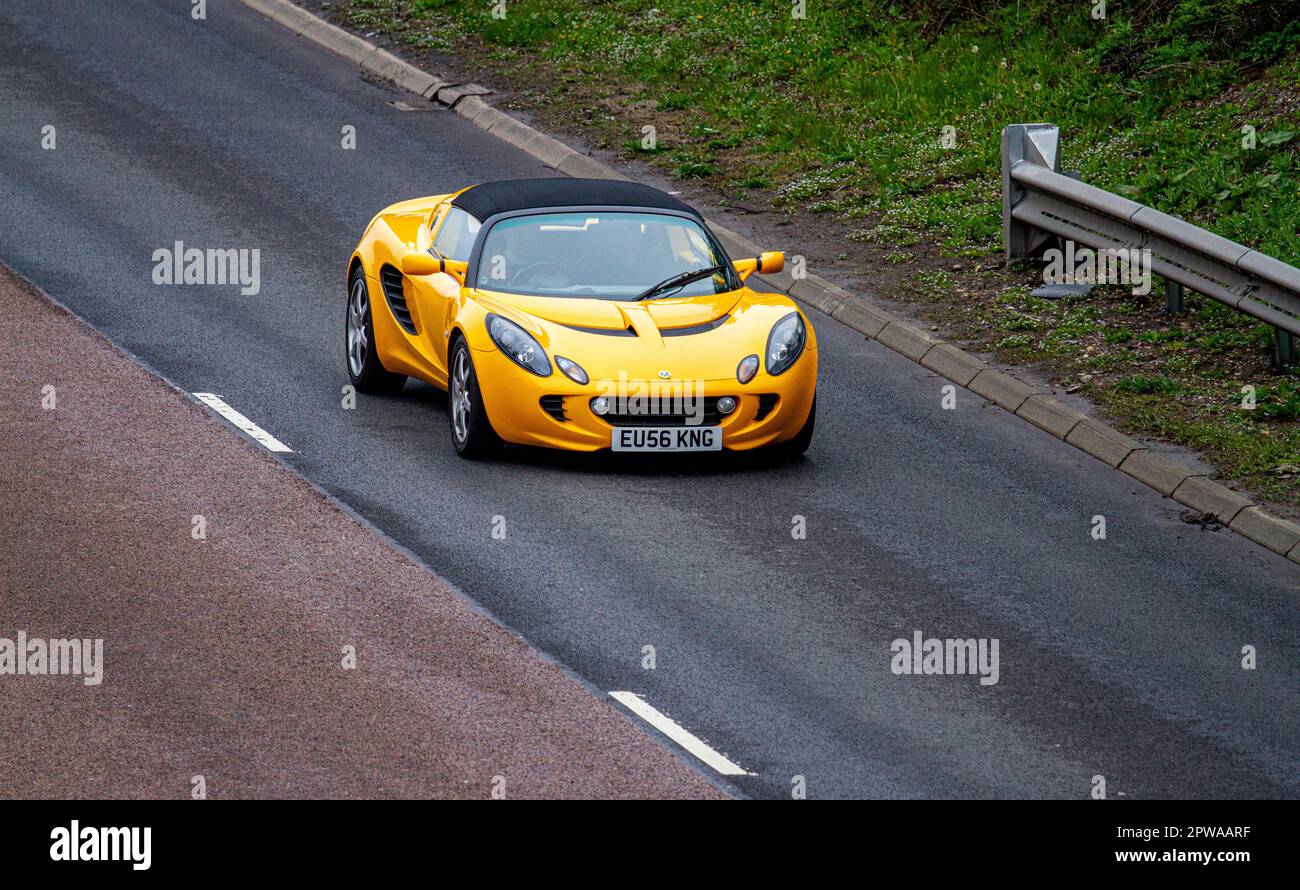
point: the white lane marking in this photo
(674, 730)
(253, 430)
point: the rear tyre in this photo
(793, 448)
(471, 431)
(368, 375)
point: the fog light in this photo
(600, 405)
(726, 405)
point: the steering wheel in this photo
(533, 267)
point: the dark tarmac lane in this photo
(1118, 658)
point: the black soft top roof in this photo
(491, 198)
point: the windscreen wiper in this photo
(680, 280)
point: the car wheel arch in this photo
(459, 328)
(454, 335)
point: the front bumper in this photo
(513, 399)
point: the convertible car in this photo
(581, 314)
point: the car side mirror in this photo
(457, 269)
(768, 263)
(420, 263)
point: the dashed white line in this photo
(674, 730)
(259, 435)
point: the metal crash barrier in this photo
(1040, 204)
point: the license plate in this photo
(667, 438)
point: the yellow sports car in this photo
(582, 314)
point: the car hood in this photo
(616, 315)
(701, 338)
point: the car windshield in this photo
(608, 256)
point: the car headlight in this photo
(785, 343)
(519, 345)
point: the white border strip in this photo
(259, 435)
(674, 730)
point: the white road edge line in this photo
(259, 435)
(674, 730)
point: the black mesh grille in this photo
(677, 414)
(554, 406)
(766, 402)
(390, 279)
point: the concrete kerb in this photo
(1000, 387)
(1048, 414)
(1205, 496)
(1156, 471)
(549, 151)
(295, 18)
(860, 315)
(472, 108)
(906, 338)
(453, 93)
(579, 166)
(1102, 442)
(1278, 535)
(953, 364)
(336, 40)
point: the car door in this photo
(453, 236)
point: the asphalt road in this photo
(1118, 658)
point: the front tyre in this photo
(471, 431)
(364, 368)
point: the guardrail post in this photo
(1173, 297)
(1283, 348)
(1037, 143)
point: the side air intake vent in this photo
(766, 402)
(554, 406)
(391, 281)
